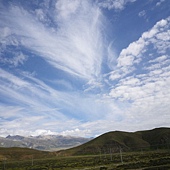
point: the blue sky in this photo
(83, 68)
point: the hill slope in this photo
(126, 141)
(15, 153)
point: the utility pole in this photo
(32, 162)
(4, 163)
(100, 154)
(121, 158)
(111, 158)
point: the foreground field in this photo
(148, 160)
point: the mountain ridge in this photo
(115, 141)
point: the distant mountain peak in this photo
(15, 137)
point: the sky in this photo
(84, 67)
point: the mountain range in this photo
(47, 142)
(114, 141)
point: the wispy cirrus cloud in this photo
(75, 45)
(40, 107)
(32, 102)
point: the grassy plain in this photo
(146, 160)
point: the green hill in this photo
(16, 153)
(157, 138)
(115, 141)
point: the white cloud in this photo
(135, 52)
(132, 81)
(13, 131)
(125, 61)
(145, 90)
(160, 2)
(18, 59)
(5, 32)
(159, 59)
(65, 8)
(12, 79)
(145, 95)
(142, 13)
(114, 75)
(114, 4)
(131, 88)
(111, 56)
(42, 132)
(77, 132)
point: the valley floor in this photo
(144, 160)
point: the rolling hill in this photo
(117, 141)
